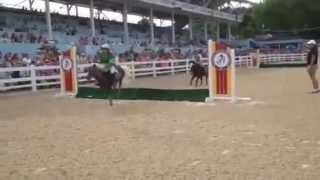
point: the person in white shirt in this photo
(26, 60)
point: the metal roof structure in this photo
(215, 3)
(181, 12)
(163, 8)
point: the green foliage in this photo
(249, 26)
(284, 15)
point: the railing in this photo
(297, 58)
(244, 61)
(35, 78)
(155, 68)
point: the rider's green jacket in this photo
(107, 59)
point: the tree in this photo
(251, 24)
(144, 22)
(282, 15)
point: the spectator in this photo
(26, 60)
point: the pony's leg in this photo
(191, 80)
(207, 79)
(110, 101)
(201, 81)
(120, 82)
(108, 94)
(110, 97)
(118, 87)
(197, 81)
(115, 87)
(114, 84)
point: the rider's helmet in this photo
(311, 42)
(105, 46)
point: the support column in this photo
(218, 32)
(190, 28)
(99, 14)
(31, 4)
(229, 31)
(48, 19)
(93, 28)
(206, 30)
(125, 22)
(77, 11)
(69, 6)
(161, 22)
(173, 31)
(151, 27)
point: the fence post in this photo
(133, 73)
(187, 66)
(258, 61)
(172, 66)
(154, 68)
(33, 78)
(117, 60)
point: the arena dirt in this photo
(275, 136)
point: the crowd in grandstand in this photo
(47, 57)
(31, 29)
(22, 38)
(27, 30)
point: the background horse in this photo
(198, 71)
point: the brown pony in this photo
(198, 71)
(106, 80)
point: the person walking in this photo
(312, 62)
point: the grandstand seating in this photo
(71, 30)
(23, 32)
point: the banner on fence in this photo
(68, 69)
(222, 75)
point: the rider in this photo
(107, 59)
(198, 60)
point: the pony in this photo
(107, 81)
(198, 71)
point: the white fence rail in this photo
(298, 58)
(35, 78)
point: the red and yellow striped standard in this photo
(222, 74)
(68, 72)
(221, 77)
(221, 71)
